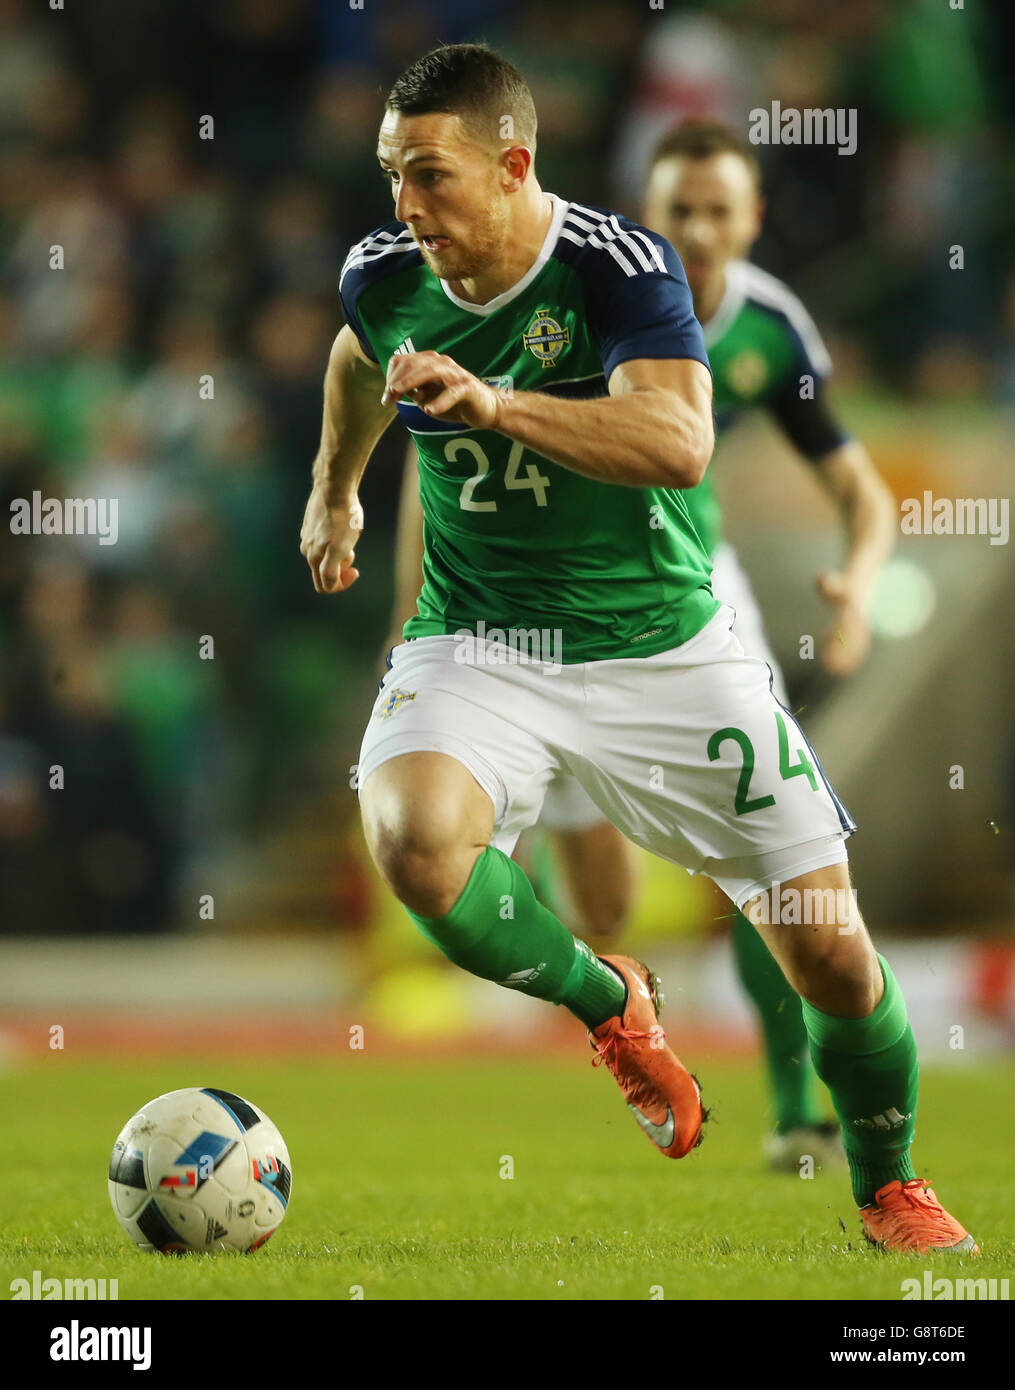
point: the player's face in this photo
(710, 209)
(447, 191)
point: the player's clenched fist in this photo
(441, 387)
(328, 540)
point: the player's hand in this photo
(328, 539)
(442, 388)
(848, 642)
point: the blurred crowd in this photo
(168, 296)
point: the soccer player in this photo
(704, 196)
(547, 360)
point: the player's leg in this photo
(787, 1056)
(855, 1016)
(446, 784)
(598, 864)
(454, 771)
(735, 791)
(863, 1049)
(797, 1121)
(428, 826)
(601, 878)
(426, 821)
(599, 873)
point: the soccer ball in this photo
(199, 1169)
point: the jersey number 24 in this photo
(533, 479)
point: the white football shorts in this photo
(688, 753)
(567, 806)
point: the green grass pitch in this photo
(397, 1186)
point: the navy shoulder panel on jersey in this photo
(636, 292)
(805, 416)
(775, 298)
(382, 252)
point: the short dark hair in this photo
(471, 81)
(701, 137)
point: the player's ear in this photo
(515, 165)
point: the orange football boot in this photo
(907, 1216)
(661, 1093)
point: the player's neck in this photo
(520, 253)
(708, 299)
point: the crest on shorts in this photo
(545, 337)
(392, 701)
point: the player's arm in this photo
(870, 515)
(868, 510)
(865, 503)
(654, 429)
(354, 419)
(408, 549)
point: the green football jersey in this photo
(513, 541)
(761, 344)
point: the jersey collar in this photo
(491, 306)
(729, 306)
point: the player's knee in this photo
(428, 882)
(421, 855)
(428, 886)
(837, 973)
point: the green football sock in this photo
(790, 1069)
(498, 930)
(870, 1067)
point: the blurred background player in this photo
(704, 195)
